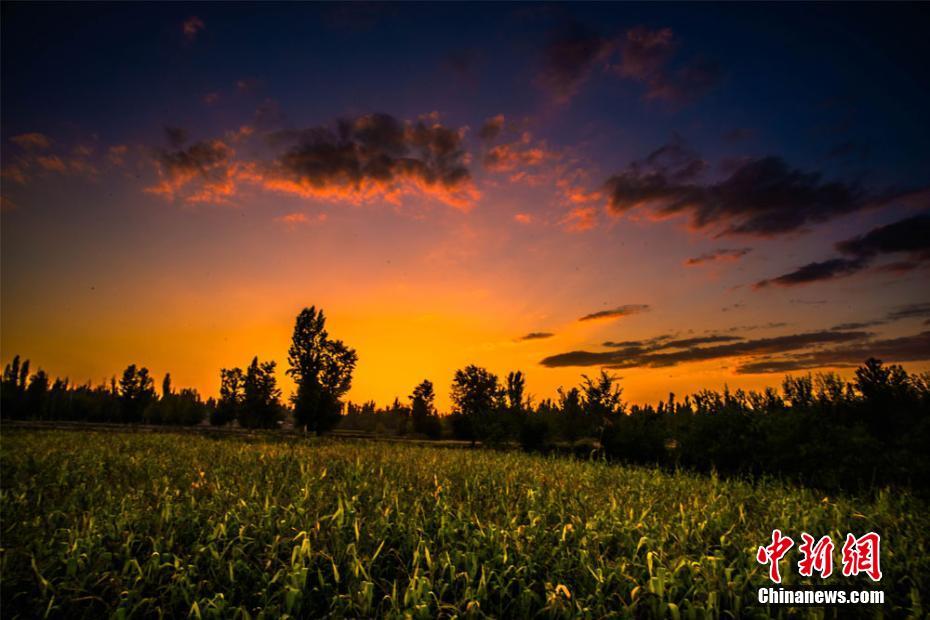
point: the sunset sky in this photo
(687, 195)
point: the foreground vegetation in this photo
(98, 524)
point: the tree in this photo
(37, 394)
(423, 410)
(136, 391)
(232, 395)
(477, 397)
(601, 399)
(573, 418)
(260, 406)
(322, 369)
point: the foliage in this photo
(171, 525)
(322, 369)
(423, 410)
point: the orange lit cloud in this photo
(297, 218)
(201, 173)
(191, 26)
(372, 157)
(580, 219)
(32, 141)
(375, 157)
(718, 256)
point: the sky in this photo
(685, 195)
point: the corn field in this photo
(173, 525)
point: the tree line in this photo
(819, 429)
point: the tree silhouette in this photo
(260, 406)
(232, 395)
(322, 369)
(136, 390)
(477, 398)
(423, 410)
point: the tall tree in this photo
(423, 410)
(602, 399)
(136, 390)
(260, 406)
(232, 395)
(322, 369)
(478, 398)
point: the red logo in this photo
(860, 555)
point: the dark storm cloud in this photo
(569, 56)
(762, 197)
(910, 236)
(905, 349)
(628, 358)
(537, 336)
(619, 311)
(718, 255)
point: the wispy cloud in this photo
(718, 256)
(616, 313)
(910, 236)
(191, 26)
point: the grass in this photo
(129, 525)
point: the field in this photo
(127, 525)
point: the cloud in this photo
(492, 127)
(636, 358)
(375, 156)
(910, 236)
(901, 313)
(116, 154)
(815, 272)
(645, 56)
(910, 311)
(32, 141)
(569, 57)
(523, 218)
(537, 336)
(356, 160)
(294, 219)
(904, 349)
(641, 55)
(201, 173)
(686, 84)
(36, 159)
(517, 155)
(718, 256)
(579, 219)
(645, 52)
(191, 26)
(615, 313)
(176, 136)
(763, 197)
